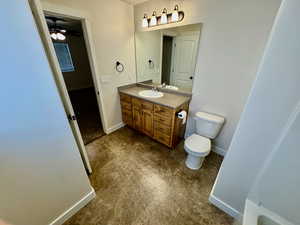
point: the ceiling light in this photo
(164, 17)
(60, 36)
(175, 15)
(53, 36)
(145, 21)
(153, 21)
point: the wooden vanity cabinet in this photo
(157, 121)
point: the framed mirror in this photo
(168, 57)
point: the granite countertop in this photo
(169, 99)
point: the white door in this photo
(44, 33)
(184, 60)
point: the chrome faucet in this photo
(154, 88)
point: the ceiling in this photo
(134, 2)
(64, 23)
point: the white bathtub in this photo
(258, 215)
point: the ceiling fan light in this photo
(153, 21)
(60, 36)
(175, 14)
(53, 36)
(164, 17)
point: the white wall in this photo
(279, 173)
(277, 189)
(233, 38)
(264, 151)
(41, 171)
(112, 31)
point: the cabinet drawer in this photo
(126, 105)
(159, 127)
(162, 138)
(163, 111)
(136, 103)
(147, 105)
(125, 98)
(163, 120)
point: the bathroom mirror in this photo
(168, 56)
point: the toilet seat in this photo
(197, 145)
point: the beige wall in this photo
(233, 38)
(112, 31)
(82, 76)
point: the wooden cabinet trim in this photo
(125, 98)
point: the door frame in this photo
(38, 14)
(86, 27)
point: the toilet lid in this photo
(198, 144)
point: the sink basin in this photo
(151, 94)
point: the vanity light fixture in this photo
(175, 14)
(164, 17)
(145, 21)
(153, 21)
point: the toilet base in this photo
(194, 162)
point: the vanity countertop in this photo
(169, 99)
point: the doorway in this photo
(71, 51)
(167, 51)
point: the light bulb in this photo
(60, 36)
(175, 15)
(153, 21)
(145, 21)
(164, 18)
(53, 36)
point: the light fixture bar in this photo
(162, 21)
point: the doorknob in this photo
(191, 78)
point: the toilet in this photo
(198, 145)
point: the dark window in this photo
(64, 57)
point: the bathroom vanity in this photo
(155, 117)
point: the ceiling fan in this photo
(56, 31)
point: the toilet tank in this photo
(208, 125)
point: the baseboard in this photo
(74, 209)
(115, 127)
(225, 207)
(218, 150)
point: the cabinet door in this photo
(137, 119)
(127, 117)
(148, 122)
